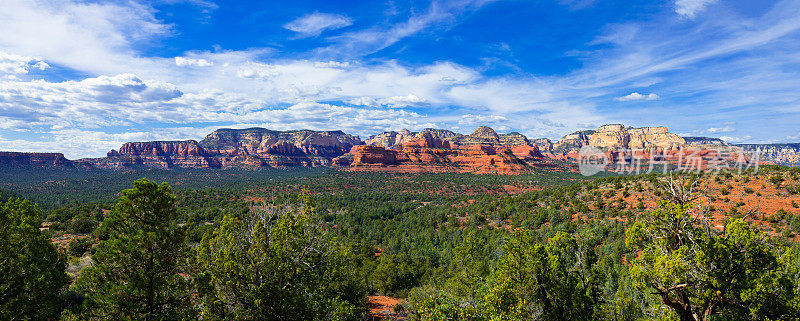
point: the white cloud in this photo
(637, 96)
(726, 129)
(16, 64)
(92, 102)
(331, 64)
(401, 101)
(97, 37)
(394, 101)
(488, 120)
(735, 139)
(358, 43)
(103, 40)
(362, 101)
(690, 8)
(312, 25)
(183, 61)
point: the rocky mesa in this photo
(252, 147)
(429, 150)
(44, 160)
(483, 151)
(620, 137)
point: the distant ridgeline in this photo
(780, 154)
(430, 150)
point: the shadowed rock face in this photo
(486, 135)
(619, 136)
(781, 154)
(430, 150)
(252, 147)
(15, 159)
(705, 141)
(396, 140)
(427, 152)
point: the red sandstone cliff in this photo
(16, 159)
(431, 150)
(429, 153)
(252, 147)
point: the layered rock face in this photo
(263, 147)
(620, 137)
(486, 135)
(16, 159)
(396, 140)
(705, 141)
(625, 145)
(163, 154)
(573, 142)
(781, 154)
(428, 152)
(252, 147)
(545, 145)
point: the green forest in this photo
(317, 244)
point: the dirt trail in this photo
(382, 308)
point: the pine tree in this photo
(137, 270)
(31, 270)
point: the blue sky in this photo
(82, 77)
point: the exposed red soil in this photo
(761, 198)
(382, 307)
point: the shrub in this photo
(776, 180)
(79, 245)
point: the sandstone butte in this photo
(430, 150)
(485, 151)
(249, 148)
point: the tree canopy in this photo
(31, 269)
(137, 270)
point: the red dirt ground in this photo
(381, 307)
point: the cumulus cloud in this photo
(260, 86)
(637, 96)
(16, 64)
(726, 129)
(470, 119)
(366, 41)
(100, 101)
(97, 37)
(184, 61)
(736, 139)
(690, 8)
(394, 101)
(314, 24)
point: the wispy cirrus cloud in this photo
(637, 96)
(746, 71)
(690, 8)
(367, 41)
(314, 24)
(726, 129)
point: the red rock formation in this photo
(428, 153)
(165, 154)
(526, 152)
(253, 147)
(15, 159)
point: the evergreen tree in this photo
(703, 274)
(31, 270)
(137, 270)
(278, 263)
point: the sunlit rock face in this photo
(252, 147)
